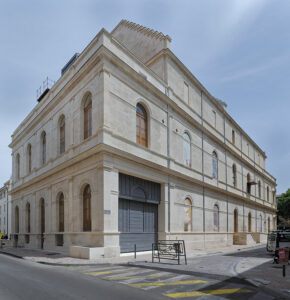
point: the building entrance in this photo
(138, 213)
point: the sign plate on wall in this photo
(107, 212)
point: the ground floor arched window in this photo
(87, 222)
(249, 222)
(216, 218)
(236, 224)
(260, 223)
(187, 215)
(16, 219)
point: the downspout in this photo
(226, 171)
(168, 163)
(202, 164)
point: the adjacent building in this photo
(128, 147)
(5, 209)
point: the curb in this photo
(11, 254)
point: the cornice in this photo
(109, 150)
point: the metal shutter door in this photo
(137, 225)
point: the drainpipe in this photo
(168, 162)
(226, 171)
(202, 163)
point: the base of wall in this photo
(86, 252)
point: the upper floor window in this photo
(267, 193)
(216, 218)
(186, 93)
(187, 215)
(43, 147)
(186, 150)
(234, 175)
(233, 137)
(62, 135)
(88, 116)
(141, 126)
(214, 165)
(29, 158)
(214, 118)
(17, 166)
(248, 183)
(259, 189)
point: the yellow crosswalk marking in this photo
(204, 293)
(137, 276)
(111, 272)
(184, 282)
(98, 268)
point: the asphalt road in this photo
(20, 279)
(219, 276)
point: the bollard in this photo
(135, 251)
(284, 270)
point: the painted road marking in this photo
(98, 268)
(137, 276)
(205, 293)
(117, 271)
(184, 282)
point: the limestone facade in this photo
(212, 175)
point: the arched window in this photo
(42, 215)
(29, 158)
(87, 223)
(249, 222)
(273, 196)
(18, 166)
(16, 219)
(260, 224)
(214, 165)
(216, 218)
(259, 189)
(141, 126)
(43, 147)
(62, 135)
(248, 183)
(88, 116)
(186, 150)
(233, 137)
(236, 221)
(28, 217)
(234, 175)
(187, 215)
(268, 193)
(61, 213)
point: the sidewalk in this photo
(58, 258)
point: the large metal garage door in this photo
(138, 213)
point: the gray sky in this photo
(239, 50)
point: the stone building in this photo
(5, 209)
(127, 147)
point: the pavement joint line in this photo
(184, 282)
(206, 293)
